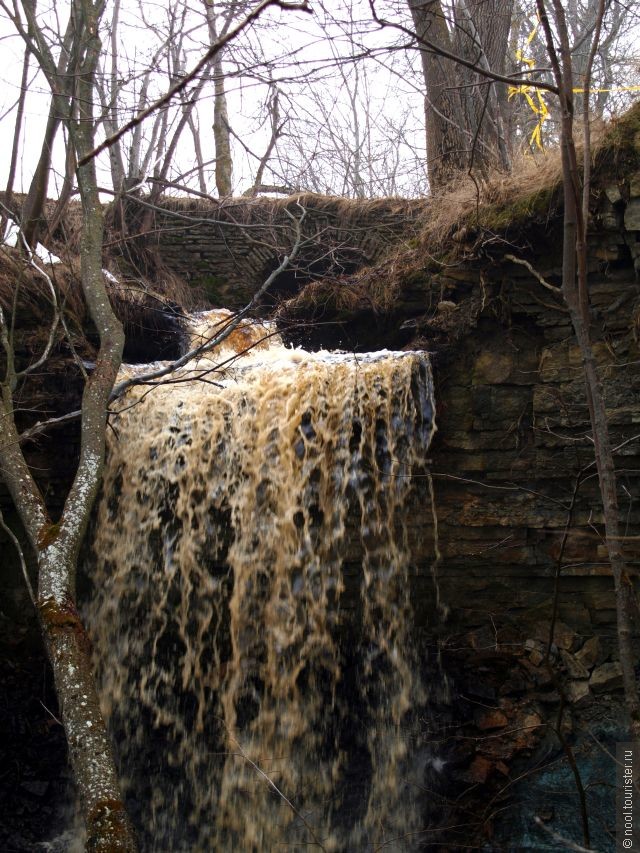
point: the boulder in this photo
(606, 678)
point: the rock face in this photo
(509, 525)
(519, 542)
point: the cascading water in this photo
(251, 602)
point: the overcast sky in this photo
(301, 46)
(318, 89)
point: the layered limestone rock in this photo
(518, 513)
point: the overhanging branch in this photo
(182, 84)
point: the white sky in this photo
(305, 52)
(299, 48)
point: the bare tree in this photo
(463, 111)
(576, 295)
(56, 545)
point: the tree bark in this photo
(33, 207)
(576, 295)
(483, 34)
(447, 148)
(221, 136)
(18, 129)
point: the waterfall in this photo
(251, 604)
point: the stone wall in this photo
(228, 248)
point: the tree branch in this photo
(534, 273)
(184, 82)
(23, 564)
(434, 48)
(123, 386)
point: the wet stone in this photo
(632, 215)
(590, 654)
(574, 668)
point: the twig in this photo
(272, 784)
(534, 273)
(51, 714)
(43, 426)
(123, 386)
(188, 78)
(566, 842)
(23, 564)
(54, 302)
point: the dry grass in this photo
(373, 288)
(504, 199)
(456, 222)
(23, 288)
(265, 209)
(467, 204)
(24, 297)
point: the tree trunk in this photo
(447, 148)
(69, 650)
(221, 136)
(482, 36)
(107, 824)
(33, 207)
(18, 129)
(56, 546)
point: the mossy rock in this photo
(539, 205)
(212, 286)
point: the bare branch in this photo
(184, 82)
(560, 839)
(534, 273)
(512, 80)
(23, 564)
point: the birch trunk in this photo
(56, 546)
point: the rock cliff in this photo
(508, 525)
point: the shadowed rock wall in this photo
(519, 517)
(228, 248)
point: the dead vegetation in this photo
(265, 209)
(146, 314)
(469, 221)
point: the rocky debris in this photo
(606, 678)
(573, 667)
(564, 637)
(492, 720)
(591, 653)
(578, 693)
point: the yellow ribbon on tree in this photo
(535, 98)
(533, 95)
